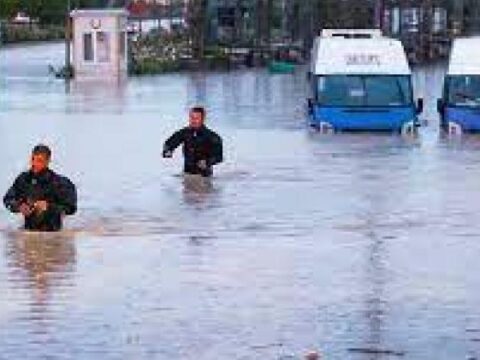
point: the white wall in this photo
(112, 26)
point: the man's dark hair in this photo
(201, 110)
(41, 149)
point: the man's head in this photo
(197, 117)
(41, 155)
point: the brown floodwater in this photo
(355, 246)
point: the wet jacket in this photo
(56, 190)
(198, 144)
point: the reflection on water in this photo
(40, 271)
(94, 96)
(197, 188)
(42, 261)
(354, 246)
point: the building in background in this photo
(99, 44)
(426, 27)
(423, 26)
(231, 21)
(465, 16)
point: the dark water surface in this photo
(355, 246)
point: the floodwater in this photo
(353, 246)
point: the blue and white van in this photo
(361, 81)
(459, 106)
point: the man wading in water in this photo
(202, 148)
(40, 195)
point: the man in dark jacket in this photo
(40, 195)
(202, 148)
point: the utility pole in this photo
(458, 17)
(427, 30)
(171, 14)
(197, 23)
(475, 20)
(307, 26)
(269, 16)
(68, 35)
(379, 14)
(263, 19)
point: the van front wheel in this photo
(409, 129)
(326, 128)
(454, 129)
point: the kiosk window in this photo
(122, 45)
(87, 47)
(103, 47)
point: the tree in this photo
(197, 11)
(8, 8)
(46, 11)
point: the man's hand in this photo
(40, 206)
(25, 209)
(202, 165)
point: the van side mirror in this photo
(440, 106)
(310, 105)
(420, 106)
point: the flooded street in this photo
(355, 246)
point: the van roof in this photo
(465, 58)
(358, 53)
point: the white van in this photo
(361, 80)
(459, 106)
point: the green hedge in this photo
(151, 66)
(25, 33)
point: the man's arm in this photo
(14, 197)
(173, 142)
(66, 197)
(216, 156)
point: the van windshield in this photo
(464, 90)
(364, 90)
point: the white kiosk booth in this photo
(99, 44)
